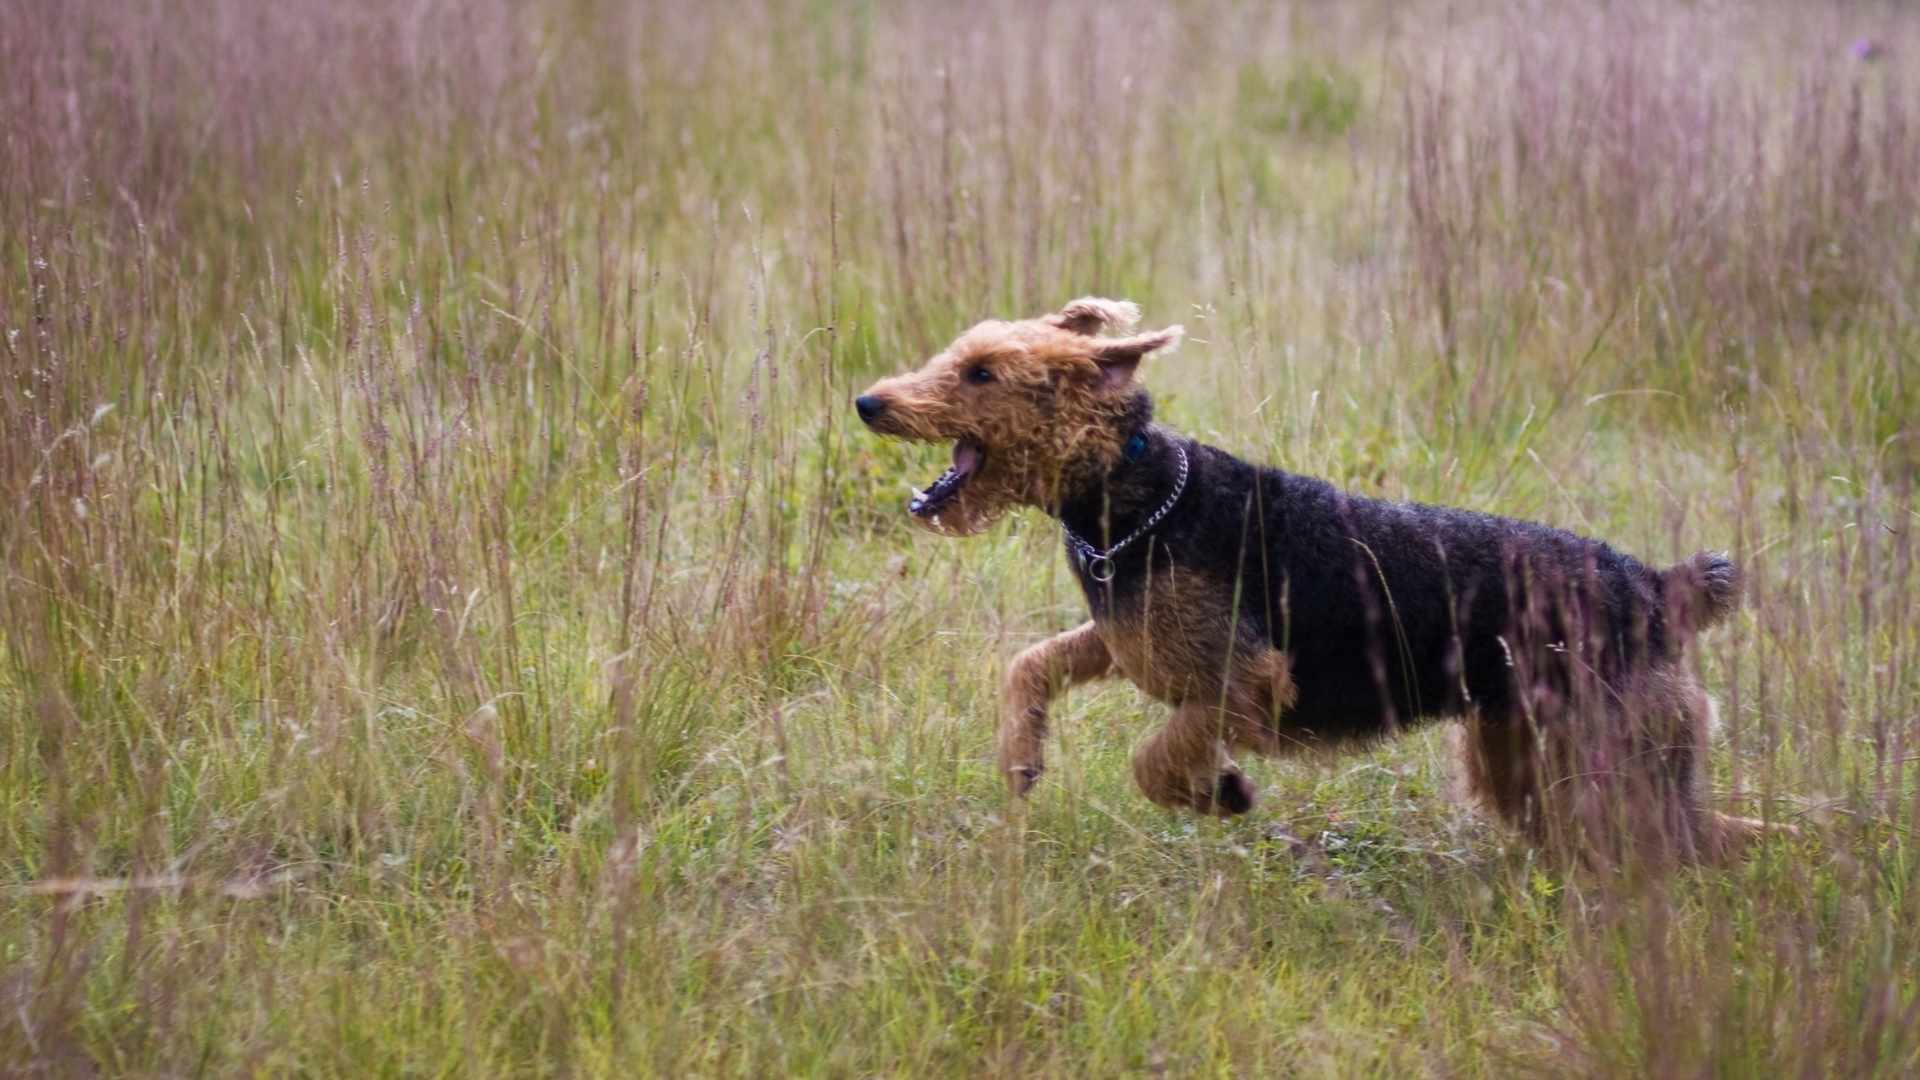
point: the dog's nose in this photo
(869, 407)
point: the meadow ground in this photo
(453, 625)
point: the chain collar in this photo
(1099, 564)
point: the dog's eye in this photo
(980, 376)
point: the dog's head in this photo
(1030, 408)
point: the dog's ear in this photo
(1119, 357)
(1089, 314)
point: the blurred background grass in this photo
(451, 626)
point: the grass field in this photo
(454, 626)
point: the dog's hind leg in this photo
(1036, 674)
(1498, 763)
(1685, 713)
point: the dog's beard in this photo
(966, 515)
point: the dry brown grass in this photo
(449, 625)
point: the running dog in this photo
(1277, 614)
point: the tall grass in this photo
(1616, 161)
(450, 625)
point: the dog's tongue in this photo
(966, 457)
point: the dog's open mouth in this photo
(967, 458)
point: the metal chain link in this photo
(1099, 564)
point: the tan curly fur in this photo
(1048, 415)
(1035, 676)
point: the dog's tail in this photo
(1704, 590)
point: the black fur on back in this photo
(1389, 611)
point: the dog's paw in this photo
(1021, 778)
(1233, 793)
(1727, 837)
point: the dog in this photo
(1277, 614)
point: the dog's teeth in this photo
(940, 490)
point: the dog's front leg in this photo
(1184, 765)
(1039, 672)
